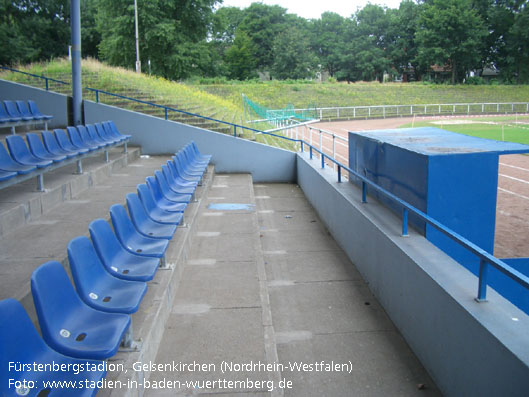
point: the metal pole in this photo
(77, 91)
(138, 62)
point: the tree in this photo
(90, 36)
(33, 30)
(293, 58)
(172, 34)
(240, 57)
(450, 33)
(263, 23)
(327, 38)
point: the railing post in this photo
(235, 131)
(322, 160)
(364, 192)
(302, 146)
(321, 141)
(482, 288)
(311, 152)
(97, 96)
(339, 174)
(165, 112)
(47, 84)
(405, 222)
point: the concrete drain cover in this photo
(231, 207)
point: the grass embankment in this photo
(147, 88)
(508, 128)
(277, 95)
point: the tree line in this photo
(186, 38)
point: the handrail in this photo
(485, 258)
(47, 79)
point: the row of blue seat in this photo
(16, 113)
(54, 148)
(110, 270)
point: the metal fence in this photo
(439, 109)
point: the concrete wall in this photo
(230, 154)
(469, 348)
(48, 102)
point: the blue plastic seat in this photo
(21, 154)
(20, 343)
(132, 240)
(12, 110)
(5, 117)
(68, 324)
(156, 213)
(24, 111)
(115, 130)
(166, 189)
(192, 159)
(110, 132)
(160, 200)
(10, 165)
(181, 172)
(176, 176)
(87, 139)
(117, 260)
(186, 173)
(33, 108)
(95, 136)
(51, 144)
(195, 168)
(96, 286)
(66, 144)
(173, 184)
(76, 140)
(102, 133)
(205, 157)
(38, 150)
(144, 224)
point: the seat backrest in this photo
(11, 109)
(87, 269)
(23, 109)
(19, 343)
(167, 173)
(162, 181)
(137, 211)
(91, 129)
(121, 222)
(55, 299)
(114, 128)
(75, 138)
(108, 129)
(102, 133)
(34, 108)
(17, 147)
(85, 136)
(3, 113)
(35, 145)
(154, 187)
(63, 140)
(50, 142)
(105, 242)
(5, 158)
(146, 197)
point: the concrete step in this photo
(22, 203)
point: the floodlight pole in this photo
(138, 62)
(77, 90)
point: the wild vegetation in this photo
(422, 39)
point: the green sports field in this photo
(510, 128)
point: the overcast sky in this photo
(314, 8)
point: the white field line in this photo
(513, 193)
(513, 166)
(514, 179)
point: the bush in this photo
(475, 80)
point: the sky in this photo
(314, 8)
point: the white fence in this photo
(383, 111)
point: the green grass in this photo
(497, 128)
(277, 95)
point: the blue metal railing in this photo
(46, 79)
(486, 259)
